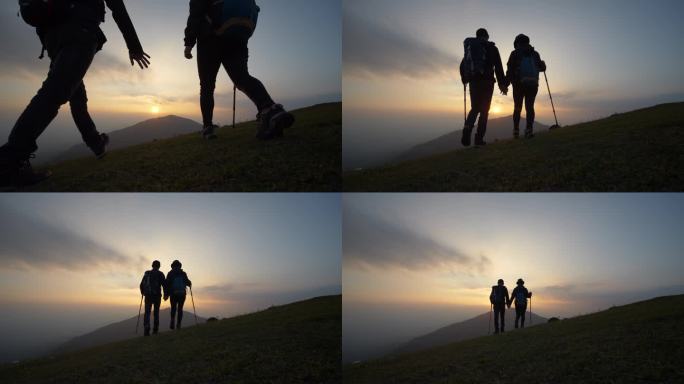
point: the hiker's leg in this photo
(146, 321)
(66, 74)
(173, 311)
(181, 302)
(523, 309)
(208, 64)
(530, 96)
(79, 111)
(157, 303)
(475, 102)
(235, 57)
(485, 102)
(503, 318)
(518, 95)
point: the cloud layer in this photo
(371, 242)
(26, 242)
(371, 49)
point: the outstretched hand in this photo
(188, 53)
(141, 58)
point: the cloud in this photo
(371, 242)
(369, 48)
(26, 242)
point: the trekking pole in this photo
(234, 97)
(193, 306)
(489, 329)
(552, 106)
(464, 104)
(139, 310)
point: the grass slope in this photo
(295, 343)
(308, 158)
(635, 151)
(636, 343)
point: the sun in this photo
(496, 109)
(154, 109)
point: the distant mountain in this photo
(143, 132)
(497, 129)
(469, 329)
(123, 330)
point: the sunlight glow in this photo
(154, 109)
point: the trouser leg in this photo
(485, 102)
(66, 73)
(174, 305)
(208, 64)
(235, 57)
(521, 313)
(530, 96)
(518, 96)
(475, 102)
(81, 116)
(148, 308)
(157, 303)
(181, 302)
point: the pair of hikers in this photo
(173, 286)
(70, 32)
(480, 63)
(500, 299)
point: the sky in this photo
(299, 62)
(401, 84)
(413, 263)
(71, 263)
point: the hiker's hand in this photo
(188, 53)
(141, 58)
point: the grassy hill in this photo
(308, 158)
(636, 343)
(636, 151)
(295, 343)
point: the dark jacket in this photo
(157, 281)
(513, 65)
(89, 14)
(199, 26)
(514, 295)
(499, 295)
(492, 67)
(171, 276)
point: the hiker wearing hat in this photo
(499, 298)
(481, 61)
(524, 66)
(151, 287)
(176, 281)
(520, 295)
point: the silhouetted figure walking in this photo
(499, 297)
(151, 287)
(176, 281)
(72, 38)
(520, 295)
(481, 61)
(524, 66)
(221, 30)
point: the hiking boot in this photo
(273, 121)
(516, 133)
(480, 142)
(100, 149)
(147, 332)
(465, 137)
(208, 132)
(171, 326)
(19, 173)
(529, 134)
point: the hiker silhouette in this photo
(174, 287)
(151, 287)
(481, 61)
(71, 34)
(221, 31)
(499, 298)
(523, 69)
(520, 295)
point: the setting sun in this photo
(154, 109)
(496, 109)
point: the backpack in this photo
(231, 18)
(496, 296)
(147, 283)
(528, 73)
(520, 297)
(38, 13)
(474, 58)
(178, 285)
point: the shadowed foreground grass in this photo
(295, 343)
(636, 343)
(308, 158)
(637, 151)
